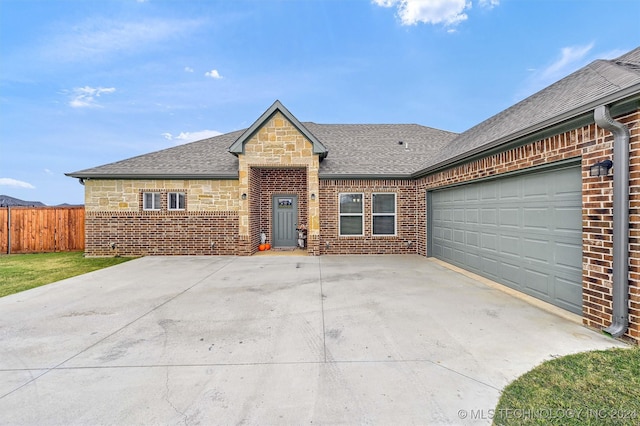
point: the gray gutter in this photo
(620, 276)
(364, 176)
(87, 176)
(578, 114)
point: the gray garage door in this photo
(523, 231)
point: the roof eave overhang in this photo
(621, 102)
(192, 176)
(364, 176)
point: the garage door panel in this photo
(460, 256)
(472, 215)
(489, 191)
(510, 189)
(473, 239)
(458, 215)
(490, 267)
(535, 250)
(536, 218)
(537, 282)
(565, 218)
(489, 242)
(563, 184)
(472, 260)
(489, 216)
(510, 245)
(510, 217)
(524, 231)
(471, 193)
(446, 215)
(569, 256)
(511, 273)
(447, 253)
(567, 292)
(536, 186)
(437, 233)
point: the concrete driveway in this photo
(271, 340)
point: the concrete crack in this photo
(168, 399)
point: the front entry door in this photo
(285, 220)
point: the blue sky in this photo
(85, 83)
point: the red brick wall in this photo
(281, 181)
(250, 246)
(407, 225)
(589, 144)
(161, 233)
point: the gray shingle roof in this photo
(579, 93)
(205, 158)
(354, 150)
(372, 150)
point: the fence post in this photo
(8, 229)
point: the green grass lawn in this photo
(19, 272)
(589, 388)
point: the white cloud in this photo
(570, 59)
(446, 12)
(186, 137)
(15, 183)
(49, 172)
(188, 69)
(490, 4)
(97, 39)
(213, 74)
(85, 97)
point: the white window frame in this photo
(156, 201)
(180, 196)
(340, 214)
(394, 214)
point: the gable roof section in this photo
(601, 82)
(238, 146)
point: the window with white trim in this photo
(351, 212)
(150, 201)
(383, 211)
(176, 201)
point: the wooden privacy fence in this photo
(41, 229)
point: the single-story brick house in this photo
(512, 199)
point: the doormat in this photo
(283, 248)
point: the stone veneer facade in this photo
(278, 159)
(276, 146)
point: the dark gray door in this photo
(523, 231)
(285, 220)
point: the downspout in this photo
(620, 278)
